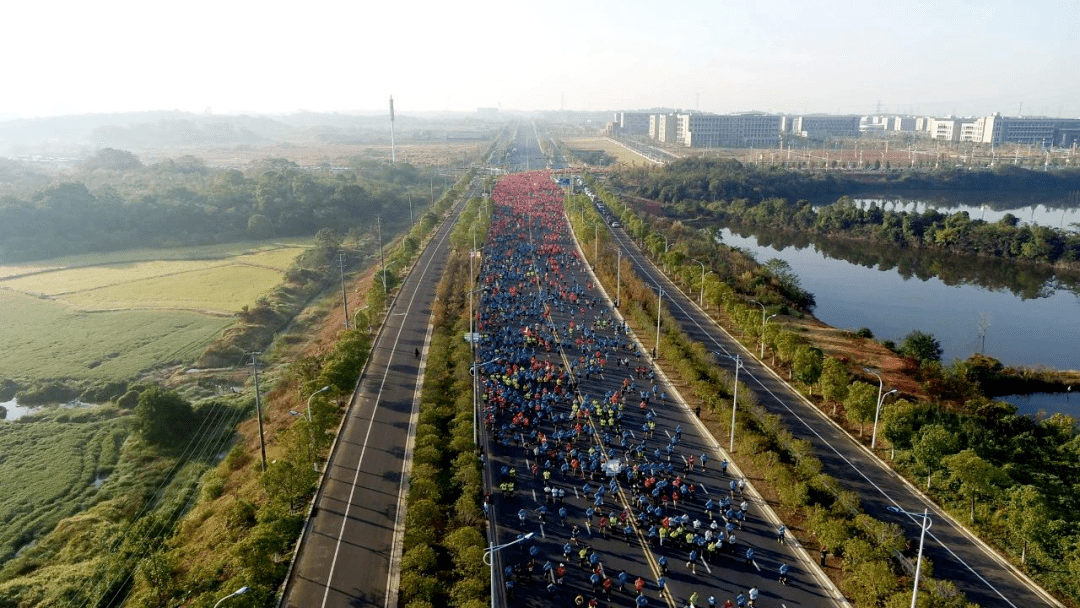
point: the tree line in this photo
(117, 203)
(710, 180)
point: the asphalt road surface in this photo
(978, 571)
(346, 551)
(534, 287)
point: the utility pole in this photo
(258, 406)
(382, 255)
(393, 158)
(344, 297)
(618, 279)
(411, 220)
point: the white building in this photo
(633, 124)
(697, 130)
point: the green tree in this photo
(933, 443)
(1028, 516)
(162, 416)
(259, 226)
(328, 242)
(834, 381)
(977, 477)
(289, 482)
(898, 423)
(860, 403)
(807, 364)
(786, 344)
(922, 346)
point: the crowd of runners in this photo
(585, 446)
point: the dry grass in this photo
(621, 154)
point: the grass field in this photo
(621, 154)
(45, 339)
(128, 256)
(56, 478)
(117, 315)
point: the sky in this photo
(943, 57)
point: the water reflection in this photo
(1026, 281)
(1026, 316)
(1037, 404)
(1060, 212)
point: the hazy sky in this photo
(940, 57)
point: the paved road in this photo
(346, 550)
(957, 556)
(512, 302)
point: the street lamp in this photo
(734, 399)
(489, 560)
(880, 400)
(762, 327)
(925, 525)
(877, 412)
(308, 409)
(701, 296)
(240, 591)
(311, 431)
(763, 323)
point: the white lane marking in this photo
(367, 435)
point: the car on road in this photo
(614, 224)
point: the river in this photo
(1025, 324)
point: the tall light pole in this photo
(344, 297)
(311, 431)
(489, 560)
(659, 301)
(258, 406)
(762, 328)
(393, 157)
(618, 280)
(240, 591)
(880, 386)
(925, 525)
(763, 323)
(734, 400)
(701, 296)
(877, 413)
(596, 244)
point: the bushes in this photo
(443, 536)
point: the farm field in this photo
(40, 339)
(621, 154)
(126, 314)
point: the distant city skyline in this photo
(921, 58)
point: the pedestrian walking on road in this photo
(783, 573)
(780, 533)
